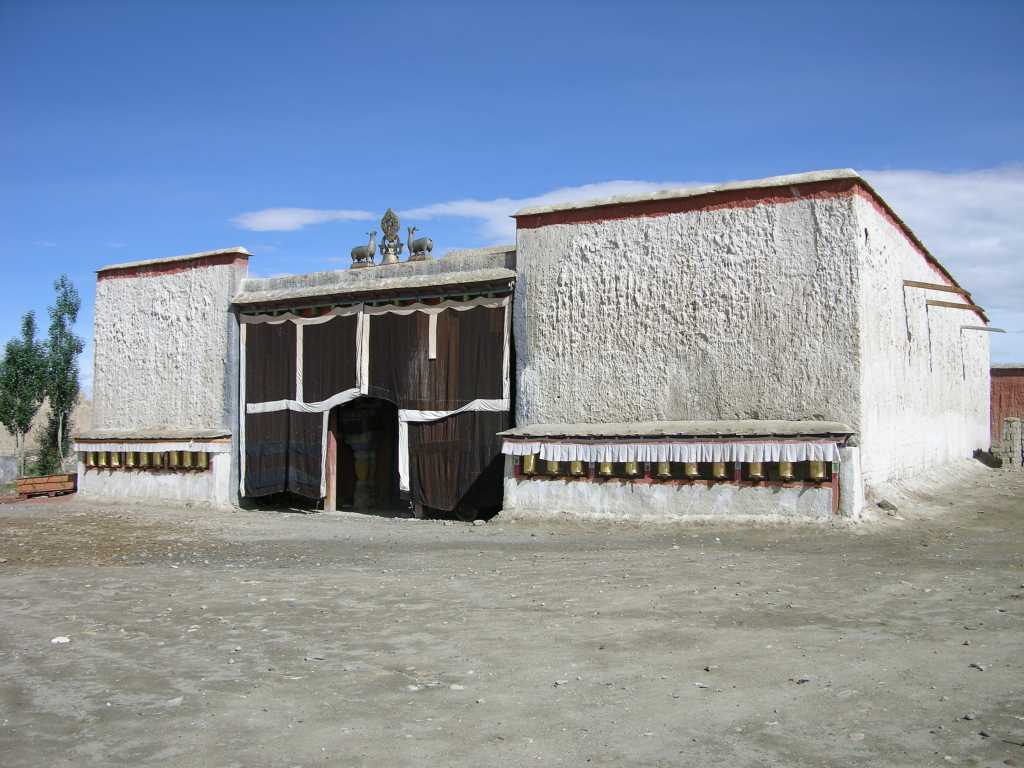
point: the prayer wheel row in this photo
(663, 469)
(198, 460)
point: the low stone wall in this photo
(1012, 448)
(212, 486)
(623, 500)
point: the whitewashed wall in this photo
(212, 486)
(660, 501)
(924, 384)
(166, 359)
(735, 313)
(162, 344)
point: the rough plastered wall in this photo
(166, 352)
(924, 383)
(741, 312)
(162, 343)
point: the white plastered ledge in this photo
(744, 452)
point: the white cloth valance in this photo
(745, 452)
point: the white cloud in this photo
(973, 222)
(291, 219)
(496, 224)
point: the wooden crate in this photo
(47, 485)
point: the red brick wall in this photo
(1007, 398)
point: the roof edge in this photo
(238, 250)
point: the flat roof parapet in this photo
(457, 268)
(175, 263)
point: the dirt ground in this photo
(212, 638)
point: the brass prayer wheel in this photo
(90, 459)
(202, 460)
(144, 459)
(631, 469)
(186, 459)
(817, 470)
(553, 467)
(129, 459)
(173, 459)
(718, 470)
(786, 470)
(529, 464)
(755, 470)
(101, 459)
(115, 459)
(604, 469)
(692, 470)
(157, 460)
(576, 468)
(663, 470)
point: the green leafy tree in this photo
(22, 384)
(62, 350)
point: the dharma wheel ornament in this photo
(390, 244)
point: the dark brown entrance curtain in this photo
(283, 452)
(266, 453)
(470, 351)
(328, 358)
(457, 461)
(269, 362)
(305, 452)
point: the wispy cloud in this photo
(496, 224)
(291, 219)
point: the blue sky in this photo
(142, 130)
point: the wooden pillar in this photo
(331, 500)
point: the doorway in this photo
(362, 450)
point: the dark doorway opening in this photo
(364, 439)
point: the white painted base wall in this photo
(658, 501)
(212, 486)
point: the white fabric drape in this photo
(345, 396)
(241, 410)
(745, 452)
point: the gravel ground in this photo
(213, 638)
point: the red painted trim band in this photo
(173, 268)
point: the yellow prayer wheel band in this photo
(576, 468)
(718, 470)
(101, 459)
(129, 459)
(817, 470)
(755, 470)
(631, 469)
(173, 459)
(186, 459)
(144, 459)
(115, 459)
(157, 460)
(664, 469)
(553, 467)
(692, 470)
(202, 460)
(529, 464)
(90, 459)
(785, 470)
(604, 469)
